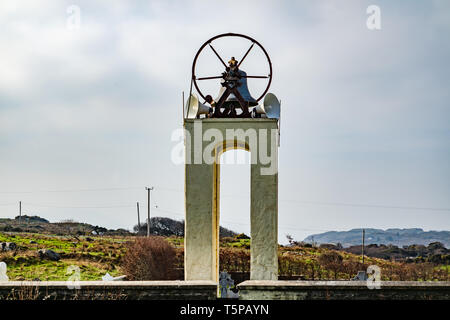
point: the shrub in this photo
(149, 258)
(289, 265)
(331, 261)
(233, 259)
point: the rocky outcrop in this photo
(49, 255)
(8, 246)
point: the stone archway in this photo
(202, 193)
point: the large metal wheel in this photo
(195, 78)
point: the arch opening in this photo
(232, 202)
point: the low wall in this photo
(343, 290)
(109, 290)
(207, 290)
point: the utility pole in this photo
(20, 210)
(139, 220)
(148, 209)
(363, 236)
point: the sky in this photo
(88, 108)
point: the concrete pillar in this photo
(200, 235)
(264, 225)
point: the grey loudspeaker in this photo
(271, 108)
(194, 108)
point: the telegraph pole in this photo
(148, 209)
(20, 210)
(363, 236)
(139, 220)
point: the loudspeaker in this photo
(194, 108)
(271, 108)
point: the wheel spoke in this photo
(208, 78)
(221, 60)
(256, 77)
(245, 55)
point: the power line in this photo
(366, 205)
(243, 223)
(71, 190)
(78, 207)
(323, 203)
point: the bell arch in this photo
(202, 196)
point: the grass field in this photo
(96, 256)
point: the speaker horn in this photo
(271, 108)
(194, 108)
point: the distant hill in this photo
(397, 237)
(36, 224)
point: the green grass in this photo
(58, 270)
(238, 243)
(94, 258)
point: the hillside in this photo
(397, 237)
(95, 256)
(34, 224)
(168, 227)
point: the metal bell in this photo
(242, 89)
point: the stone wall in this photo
(108, 290)
(343, 290)
(207, 290)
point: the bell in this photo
(242, 89)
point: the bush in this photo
(149, 258)
(331, 261)
(290, 265)
(242, 236)
(234, 260)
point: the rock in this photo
(49, 254)
(8, 246)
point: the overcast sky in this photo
(86, 114)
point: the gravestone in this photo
(225, 282)
(3, 275)
(361, 276)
